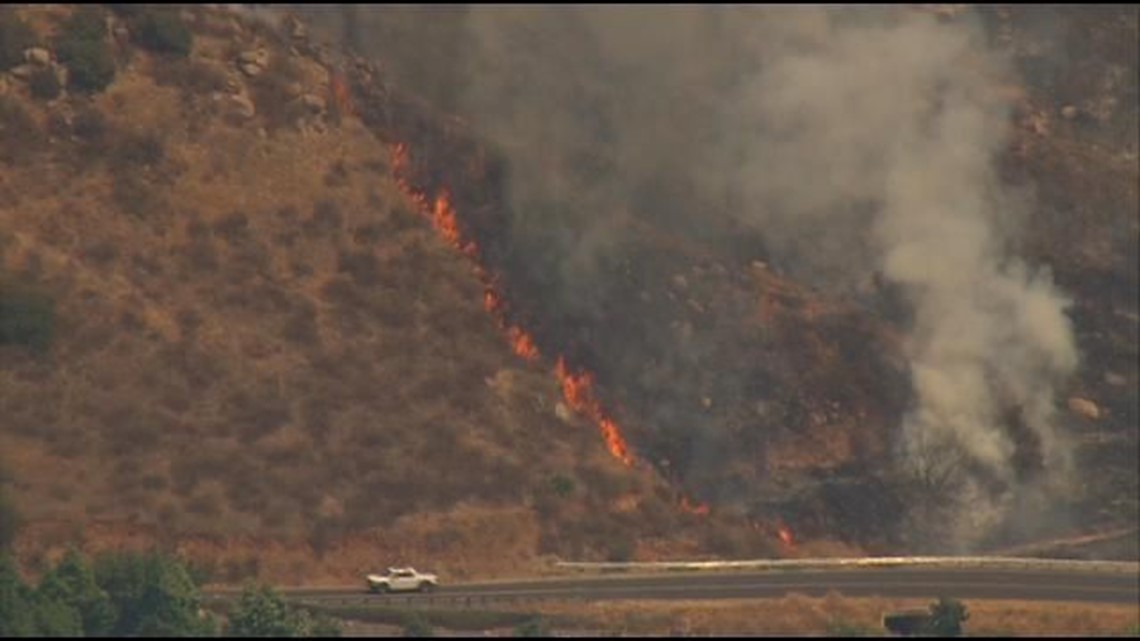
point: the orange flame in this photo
(576, 388)
(785, 534)
(700, 509)
(338, 89)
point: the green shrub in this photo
(163, 31)
(562, 486)
(90, 64)
(15, 37)
(87, 23)
(534, 627)
(44, 85)
(27, 318)
(261, 612)
(417, 626)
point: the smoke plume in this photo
(858, 142)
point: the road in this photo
(1047, 585)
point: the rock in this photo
(680, 281)
(38, 56)
(759, 265)
(563, 412)
(1070, 112)
(1114, 379)
(121, 34)
(296, 29)
(61, 75)
(233, 85)
(241, 107)
(706, 402)
(23, 72)
(314, 103)
(250, 69)
(1084, 407)
(259, 57)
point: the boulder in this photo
(563, 412)
(1070, 112)
(313, 103)
(23, 72)
(1084, 407)
(259, 57)
(250, 69)
(241, 107)
(38, 56)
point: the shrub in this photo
(561, 485)
(90, 64)
(534, 627)
(417, 626)
(15, 37)
(162, 30)
(20, 136)
(90, 125)
(44, 85)
(27, 318)
(946, 617)
(139, 149)
(87, 23)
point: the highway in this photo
(916, 582)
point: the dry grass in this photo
(265, 359)
(801, 615)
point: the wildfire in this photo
(338, 90)
(576, 387)
(700, 509)
(785, 534)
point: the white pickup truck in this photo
(402, 580)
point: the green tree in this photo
(90, 64)
(533, 627)
(72, 583)
(88, 22)
(946, 617)
(261, 612)
(162, 30)
(16, 602)
(15, 37)
(27, 318)
(153, 596)
(9, 517)
(54, 618)
(417, 626)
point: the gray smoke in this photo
(857, 140)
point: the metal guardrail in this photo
(980, 562)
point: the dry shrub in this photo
(195, 77)
(21, 138)
(300, 327)
(271, 94)
(232, 227)
(361, 266)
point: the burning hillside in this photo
(732, 371)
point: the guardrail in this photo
(886, 561)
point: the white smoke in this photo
(857, 139)
(901, 113)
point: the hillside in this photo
(264, 304)
(262, 355)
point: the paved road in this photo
(1100, 587)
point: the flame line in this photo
(577, 387)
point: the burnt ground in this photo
(797, 392)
